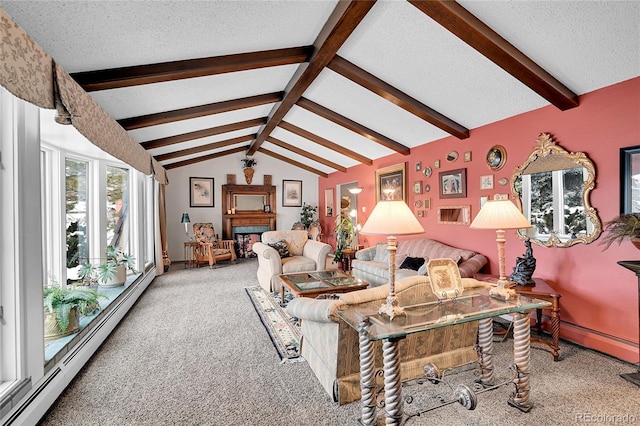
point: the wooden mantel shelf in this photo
(248, 218)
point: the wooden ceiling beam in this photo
(198, 111)
(343, 21)
(198, 134)
(353, 126)
(203, 148)
(205, 158)
(293, 162)
(325, 143)
(307, 154)
(115, 78)
(482, 38)
(397, 97)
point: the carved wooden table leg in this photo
(367, 379)
(392, 382)
(485, 341)
(521, 356)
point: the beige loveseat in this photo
(372, 264)
(304, 255)
(331, 348)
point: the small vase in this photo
(248, 175)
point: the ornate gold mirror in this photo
(552, 188)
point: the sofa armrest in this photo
(470, 267)
(318, 251)
(268, 257)
(319, 310)
(366, 254)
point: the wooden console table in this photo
(542, 291)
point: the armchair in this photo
(304, 255)
(210, 249)
(331, 347)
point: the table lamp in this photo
(391, 218)
(186, 221)
(500, 215)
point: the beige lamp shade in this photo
(392, 218)
(499, 214)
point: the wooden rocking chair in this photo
(211, 249)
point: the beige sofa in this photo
(330, 346)
(305, 255)
(372, 264)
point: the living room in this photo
(599, 305)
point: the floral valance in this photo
(29, 73)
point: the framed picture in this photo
(291, 193)
(328, 202)
(453, 184)
(629, 187)
(420, 213)
(486, 182)
(418, 166)
(467, 156)
(267, 208)
(200, 192)
(427, 203)
(436, 164)
(417, 187)
(483, 200)
(390, 183)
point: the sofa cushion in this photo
(382, 254)
(413, 263)
(433, 250)
(293, 264)
(281, 247)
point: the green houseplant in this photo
(345, 232)
(63, 308)
(112, 272)
(620, 228)
(307, 215)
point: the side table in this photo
(347, 256)
(189, 254)
(542, 291)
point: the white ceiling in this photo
(586, 45)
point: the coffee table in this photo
(315, 283)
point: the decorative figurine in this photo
(525, 266)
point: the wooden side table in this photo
(189, 254)
(542, 291)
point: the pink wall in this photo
(599, 298)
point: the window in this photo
(117, 207)
(76, 215)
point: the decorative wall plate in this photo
(427, 188)
(417, 203)
(427, 171)
(503, 181)
(452, 156)
(496, 157)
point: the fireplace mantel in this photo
(233, 218)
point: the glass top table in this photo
(429, 314)
(472, 305)
(315, 283)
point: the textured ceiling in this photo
(583, 45)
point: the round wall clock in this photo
(427, 171)
(496, 157)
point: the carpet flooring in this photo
(192, 351)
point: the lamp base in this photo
(391, 308)
(502, 291)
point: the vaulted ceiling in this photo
(326, 85)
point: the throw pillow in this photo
(423, 269)
(413, 263)
(282, 247)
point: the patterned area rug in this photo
(283, 329)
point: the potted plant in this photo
(344, 236)
(307, 214)
(63, 308)
(247, 165)
(625, 226)
(111, 273)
